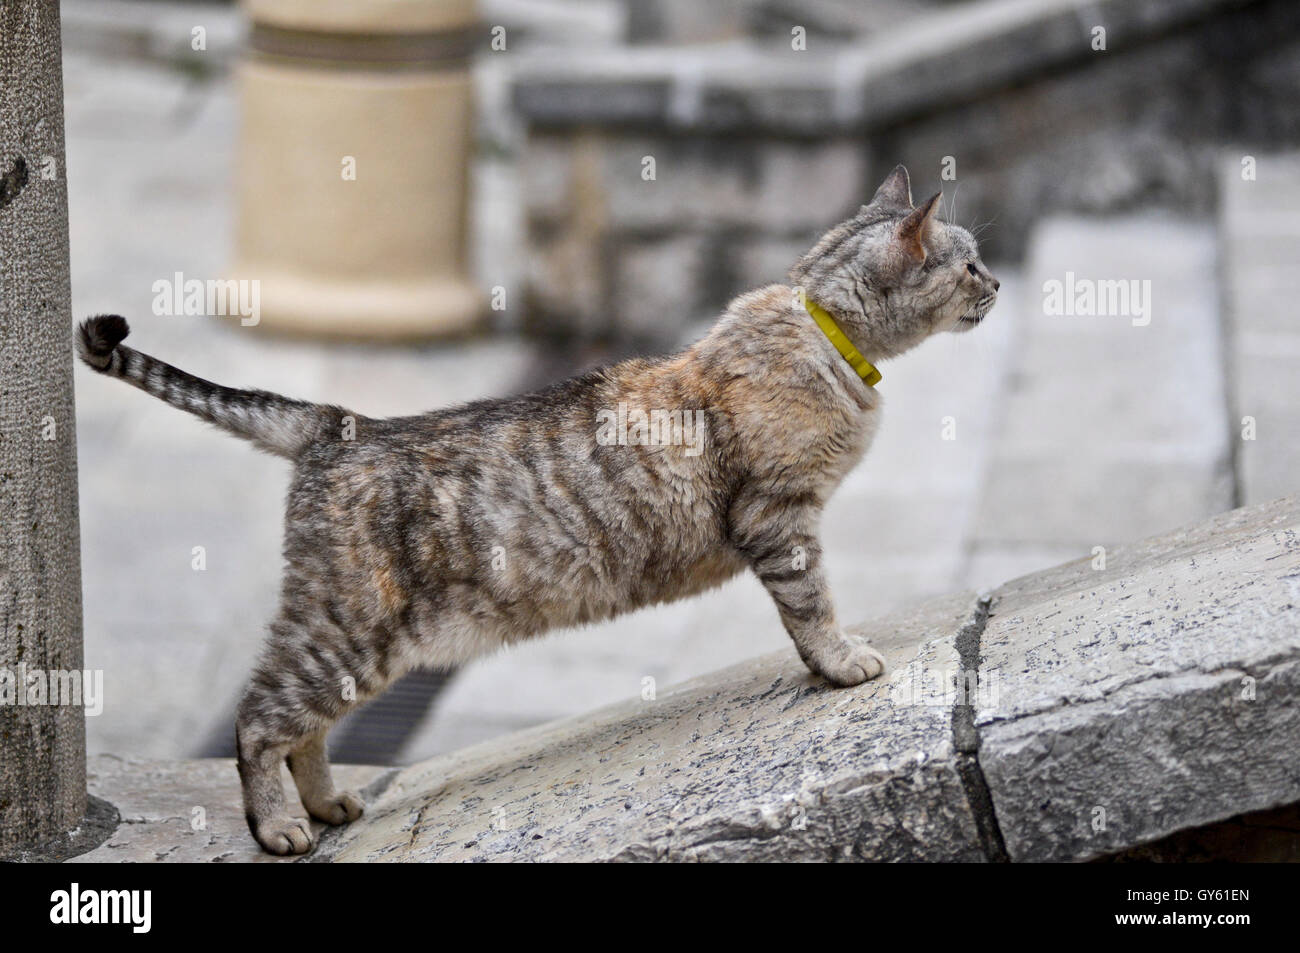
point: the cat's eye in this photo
(970, 267)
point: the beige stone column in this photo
(353, 164)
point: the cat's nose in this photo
(996, 284)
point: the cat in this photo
(432, 539)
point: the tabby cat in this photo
(433, 539)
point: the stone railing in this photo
(660, 181)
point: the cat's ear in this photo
(895, 192)
(912, 232)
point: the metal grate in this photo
(374, 734)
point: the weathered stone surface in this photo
(187, 811)
(760, 261)
(760, 761)
(648, 183)
(1269, 837)
(656, 281)
(1154, 695)
(633, 237)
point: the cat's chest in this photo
(817, 450)
(849, 442)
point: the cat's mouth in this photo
(978, 312)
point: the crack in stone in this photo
(966, 740)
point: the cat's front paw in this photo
(848, 660)
(285, 835)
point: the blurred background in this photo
(441, 200)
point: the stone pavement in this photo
(149, 155)
(188, 812)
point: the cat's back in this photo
(608, 487)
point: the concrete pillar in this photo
(352, 166)
(42, 746)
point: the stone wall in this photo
(610, 251)
(756, 148)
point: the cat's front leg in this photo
(783, 550)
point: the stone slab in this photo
(761, 761)
(876, 80)
(187, 811)
(1150, 696)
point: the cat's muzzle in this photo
(977, 313)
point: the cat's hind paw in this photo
(285, 835)
(341, 807)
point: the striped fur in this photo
(273, 423)
(433, 539)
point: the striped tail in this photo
(277, 424)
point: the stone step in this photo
(1259, 246)
(1115, 424)
(736, 86)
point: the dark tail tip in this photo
(97, 337)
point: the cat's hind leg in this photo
(264, 808)
(300, 687)
(309, 765)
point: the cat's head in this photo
(894, 274)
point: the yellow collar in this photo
(866, 370)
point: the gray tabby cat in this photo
(433, 539)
